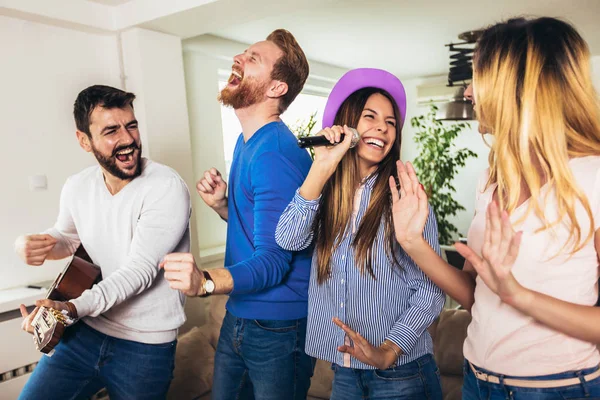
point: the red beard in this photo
(247, 93)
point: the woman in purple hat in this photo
(369, 305)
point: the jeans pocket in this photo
(278, 326)
(167, 345)
(576, 392)
(400, 384)
(398, 375)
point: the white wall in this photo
(206, 139)
(596, 72)
(43, 70)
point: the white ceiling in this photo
(406, 37)
(110, 2)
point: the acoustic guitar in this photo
(78, 275)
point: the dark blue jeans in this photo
(416, 380)
(475, 389)
(261, 359)
(86, 360)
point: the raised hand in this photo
(409, 208)
(498, 254)
(34, 249)
(212, 188)
(380, 357)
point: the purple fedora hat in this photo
(362, 78)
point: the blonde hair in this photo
(534, 92)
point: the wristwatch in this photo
(208, 285)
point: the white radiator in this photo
(18, 355)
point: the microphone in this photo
(315, 141)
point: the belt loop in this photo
(509, 395)
(584, 385)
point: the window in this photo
(299, 111)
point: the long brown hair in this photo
(534, 92)
(333, 219)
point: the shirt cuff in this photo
(83, 306)
(404, 337)
(303, 203)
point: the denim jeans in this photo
(261, 359)
(86, 361)
(416, 380)
(475, 389)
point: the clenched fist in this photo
(34, 249)
(212, 188)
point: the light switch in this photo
(38, 182)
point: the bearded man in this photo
(260, 353)
(127, 212)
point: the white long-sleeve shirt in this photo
(127, 235)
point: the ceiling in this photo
(110, 2)
(406, 37)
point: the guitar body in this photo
(79, 275)
(49, 324)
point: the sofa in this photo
(198, 339)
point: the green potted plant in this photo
(437, 164)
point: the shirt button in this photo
(343, 257)
(342, 281)
(342, 305)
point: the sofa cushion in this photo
(194, 362)
(449, 335)
(452, 387)
(215, 319)
(322, 379)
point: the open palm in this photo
(498, 254)
(409, 207)
(364, 351)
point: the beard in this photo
(109, 163)
(247, 93)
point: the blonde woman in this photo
(530, 279)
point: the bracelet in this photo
(72, 310)
(393, 349)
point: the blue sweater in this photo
(268, 282)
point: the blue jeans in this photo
(475, 389)
(261, 359)
(416, 380)
(86, 361)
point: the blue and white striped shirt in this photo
(398, 305)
